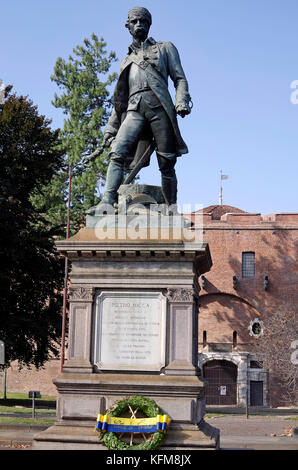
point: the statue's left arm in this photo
(177, 74)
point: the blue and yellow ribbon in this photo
(106, 423)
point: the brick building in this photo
(254, 270)
(24, 380)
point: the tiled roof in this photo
(218, 210)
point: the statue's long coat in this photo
(164, 61)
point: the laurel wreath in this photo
(143, 404)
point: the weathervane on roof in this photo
(222, 177)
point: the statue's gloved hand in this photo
(183, 109)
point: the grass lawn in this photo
(21, 399)
(19, 420)
(19, 404)
(24, 410)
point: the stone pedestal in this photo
(132, 330)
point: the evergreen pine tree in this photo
(84, 81)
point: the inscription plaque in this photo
(130, 331)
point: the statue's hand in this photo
(107, 140)
(183, 110)
(87, 160)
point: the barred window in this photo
(234, 339)
(248, 264)
(204, 338)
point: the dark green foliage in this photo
(84, 82)
(31, 272)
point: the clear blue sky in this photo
(240, 58)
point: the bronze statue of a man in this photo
(143, 110)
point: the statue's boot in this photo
(114, 179)
(169, 189)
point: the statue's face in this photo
(138, 26)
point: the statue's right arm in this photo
(113, 123)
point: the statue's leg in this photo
(122, 146)
(114, 178)
(166, 152)
(168, 177)
(113, 181)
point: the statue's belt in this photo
(138, 89)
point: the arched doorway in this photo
(221, 387)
